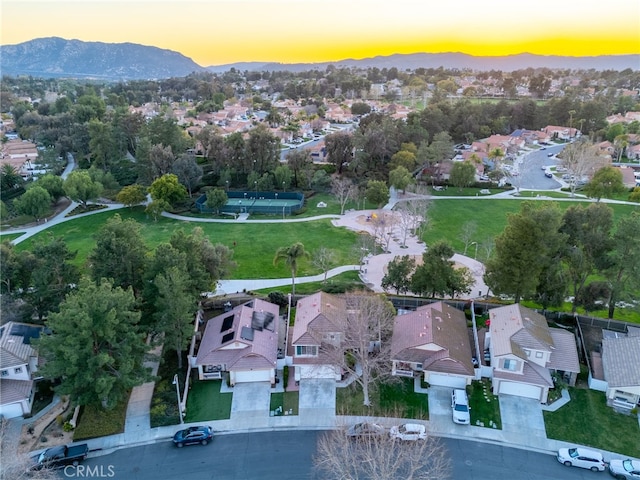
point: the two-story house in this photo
(318, 322)
(524, 352)
(242, 343)
(433, 341)
(18, 367)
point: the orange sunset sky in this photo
(215, 32)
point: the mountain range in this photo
(58, 57)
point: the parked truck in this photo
(57, 457)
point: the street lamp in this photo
(227, 182)
(177, 384)
(475, 256)
(283, 207)
(256, 185)
(283, 187)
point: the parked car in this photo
(549, 154)
(460, 407)
(581, 457)
(548, 174)
(57, 457)
(625, 469)
(193, 435)
(364, 429)
(409, 432)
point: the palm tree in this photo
(291, 255)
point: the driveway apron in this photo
(522, 419)
(317, 402)
(250, 404)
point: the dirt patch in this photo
(47, 431)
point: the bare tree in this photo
(383, 224)
(344, 190)
(365, 244)
(16, 465)
(406, 220)
(379, 457)
(418, 210)
(487, 245)
(580, 159)
(324, 259)
(363, 348)
(467, 233)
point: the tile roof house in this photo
(621, 365)
(524, 352)
(433, 341)
(242, 342)
(318, 320)
(18, 367)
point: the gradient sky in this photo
(215, 32)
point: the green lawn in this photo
(287, 400)
(205, 402)
(485, 406)
(387, 400)
(586, 420)
(346, 281)
(7, 237)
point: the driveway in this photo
(317, 402)
(250, 404)
(522, 418)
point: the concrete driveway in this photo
(522, 418)
(250, 404)
(317, 403)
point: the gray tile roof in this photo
(12, 391)
(621, 361)
(15, 349)
(565, 354)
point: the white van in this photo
(460, 407)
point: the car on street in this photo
(625, 469)
(409, 432)
(549, 154)
(581, 457)
(460, 407)
(548, 174)
(365, 430)
(543, 148)
(193, 435)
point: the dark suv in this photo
(193, 435)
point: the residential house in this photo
(21, 155)
(621, 366)
(561, 133)
(629, 179)
(18, 368)
(242, 342)
(524, 352)
(433, 342)
(318, 321)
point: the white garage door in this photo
(520, 390)
(253, 376)
(11, 410)
(438, 380)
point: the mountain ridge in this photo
(59, 57)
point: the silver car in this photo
(625, 469)
(364, 430)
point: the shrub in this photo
(67, 427)
(285, 375)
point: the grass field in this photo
(205, 402)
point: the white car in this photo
(581, 457)
(460, 407)
(409, 432)
(625, 469)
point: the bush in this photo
(285, 375)
(67, 427)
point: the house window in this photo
(510, 365)
(538, 354)
(306, 350)
(17, 370)
(5, 373)
(528, 352)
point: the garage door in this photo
(520, 390)
(439, 380)
(11, 410)
(253, 376)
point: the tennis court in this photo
(269, 203)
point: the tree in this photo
(588, 243)
(282, 175)
(463, 174)
(467, 234)
(168, 189)
(175, 306)
(95, 349)
(161, 160)
(623, 270)
(291, 255)
(9, 178)
(379, 457)
(298, 161)
(339, 149)
(216, 199)
(52, 184)
(606, 182)
(80, 188)
(132, 195)
(156, 207)
(530, 236)
(436, 275)
(35, 202)
(403, 158)
(188, 171)
(398, 274)
(16, 465)
(377, 192)
(579, 158)
(634, 196)
(50, 276)
(324, 259)
(344, 190)
(400, 178)
(119, 254)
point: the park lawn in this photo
(9, 237)
(396, 399)
(343, 282)
(205, 402)
(586, 420)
